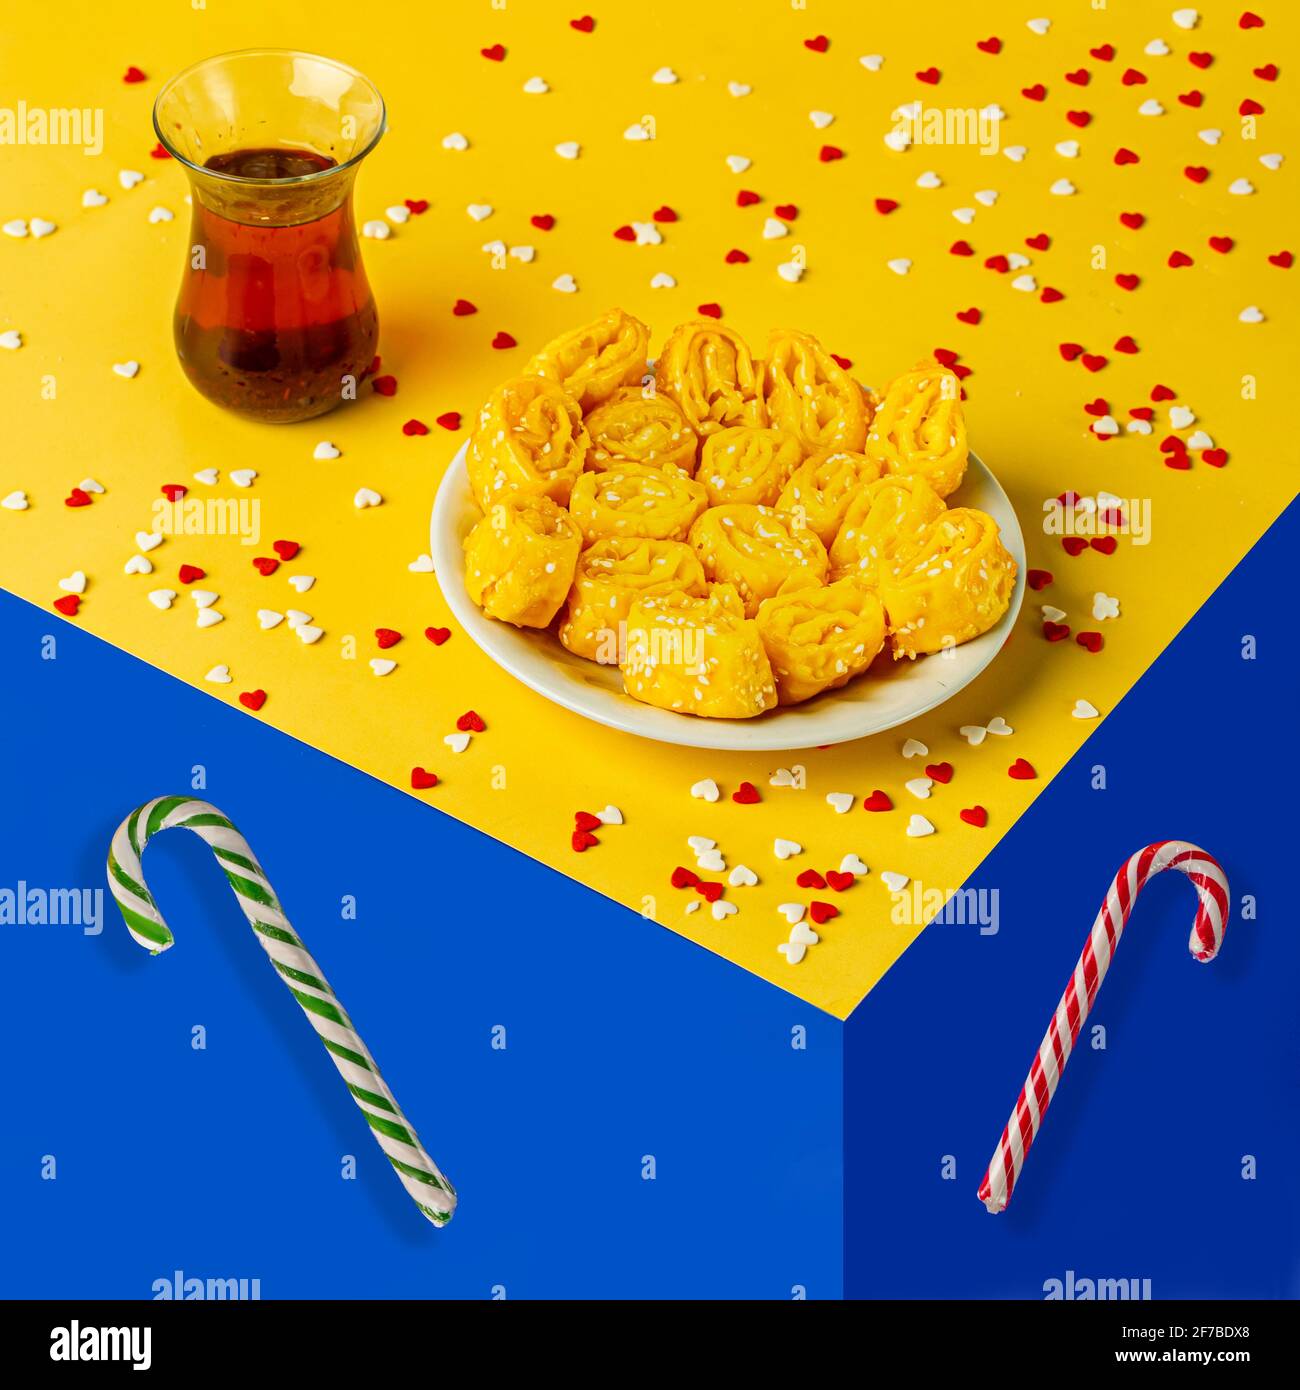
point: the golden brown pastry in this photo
(707, 369)
(593, 361)
(614, 573)
(520, 558)
(809, 394)
(820, 638)
(883, 525)
(745, 464)
(956, 585)
(757, 549)
(920, 428)
(699, 656)
(639, 425)
(633, 500)
(821, 488)
(530, 438)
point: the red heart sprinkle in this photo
(1133, 78)
(969, 315)
(188, 574)
(787, 212)
(810, 878)
(1070, 350)
(68, 605)
(828, 153)
(385, 385)
(1103, 54)
(414, 427)
(746, 794)
(1250, 107)
(1126, 156)
(1284, 259)
(1094, 361)
(584, 25)
(664, 214)
(449, 420)
(1050, 295)
(462, 307)
(961, 248)
(976, 816)
(1073, 545)
(1163, 393)
(1250, 21)
(543, 221)
(421, 780)
(1035, 93)
(286, 550)
(838, 881)
(495, 53)
(437, 635)
(1038, 243)
(417, 206)
(1038, 579)
(582, 840)
(989, 45)
(1132, 220)
(625, 233)
(1268, 73)
(845, 362)
(1127, 282)
(1105, 544)
(1216, 458)
(747, 198)
(885, 206)
(1192, 98)
(685, 878)
(710, 892)
(819, 44)
(928, 75)
(1080, 77)
(584, 820)
(471, 722)
(734, 257)
(1056, 632)
(77, 498)
(877, 801)
(173, 492)
(946, 357)
(265, 565)
(1078, 118)
(503, 340)
(133, 74)
(1221, 244)
(940, 772)
(1021, 770)
(253, 699)
(711, 311)
(1178, 259)
(1125, 344)
(387, 637)
(160, 151)
(1200, 60)
(1142, 412)
(822, 912)
(1090, 641)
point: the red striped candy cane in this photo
(1044, 1076)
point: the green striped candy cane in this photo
(418, 1173)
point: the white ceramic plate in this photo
(884, 697)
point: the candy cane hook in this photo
(1054, 1052)
(418, 1173)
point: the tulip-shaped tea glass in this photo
(275, 318)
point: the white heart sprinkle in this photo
(1063, 188)
(159, 214)
(455, 141)
(841, 801)
(457, 742)
(1107, 425)
(1025, 283)
(536, 86)
(894, 882)
(774, 228)
(207, 475)
(128, 178)
(706, 790)
(300, 583)
(914, 748)
(1084, 709)
(792, 912)
(920, 787)
(203, 598)
(929, 180)
(42, 228)
(219, 675)
(1251, 314)
(852, 864)
(1241, 187)
(479, 211)
(711, 861)
(662, 281)
(918, 826)
(722, 909)
(1138, 427)
(297, 617)
(900, 266)
(268, 618)
(871, 61)
(665, 77)
(1211, 136)
(636, 132)
(1052, 615)
(17, 227)
(986, 197)
(15, 502)
(1269, 161)
(422, 564)
(790, 271)
(821, 119)
(611, 815)
(1186, 19)
(897, 140)
(93, 198)
(964, 215)
(75, 583)
(208, 617)
(801, 934)
(973, 734)
(242, 477)
(1151, 107)
(1068, 149)
(739, 89)
(162, 598)
(326, 450)
(782, 777)
(366, 497)
(1038, 26)
(793, 953)
(376, 230)
(1104, 606)
(785, 849)
(992, 112)
(699, 843)
(999, 726)
(1157, 48)
(126, 369)
(11, 339)
(138, 564)
(308, 634)
(742, 876)
(1015, 261)
(1199, 439)
(692, 906)
(1015, 153)
(1180, 417)
(568, 149)
(382, 665)
(565, 283)
(148, 540)
(737, 163)
(524, 254)
(90, 485)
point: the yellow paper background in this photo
(101, 289)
